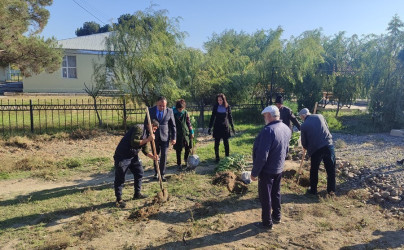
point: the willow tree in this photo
(20, 23)
(140, 56)
(305, 54)
(270, 64)
(228, 53)
(342, 68)
(384, 75)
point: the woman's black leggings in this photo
(226, 146)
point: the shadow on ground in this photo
(388, 239)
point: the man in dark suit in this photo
(287, 116)
(164, 133)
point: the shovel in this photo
(163, 195)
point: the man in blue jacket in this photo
(269, 153)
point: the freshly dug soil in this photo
(161, 197)
(145, 212)
(233, 183)
(289, 174)
(304, 181)
(151, 208)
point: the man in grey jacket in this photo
(269, 152)
(165, 133)
(317, 140)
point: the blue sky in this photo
(202, 18)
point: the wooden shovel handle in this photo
(154, 147)
(301, 164)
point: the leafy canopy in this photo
(20, 23)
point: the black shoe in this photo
(262, 226)
(139, 196)
(120, 204)
(217, 160)
(276, 221)
(309, 191)
(163, 179)
(155, 177)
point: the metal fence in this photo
(50, 116)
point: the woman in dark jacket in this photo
(185, 133)
(221, 119)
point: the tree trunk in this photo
(98, 115)
(338, 105)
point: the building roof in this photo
(95, 42)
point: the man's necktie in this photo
(160, 116)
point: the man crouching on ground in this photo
(126, 157)
(269, 152)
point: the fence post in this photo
(201, 115)
(31, 115)
(124, 114)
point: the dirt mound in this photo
(233, 183)
(145, 212)
(223, 178)
(304, 181)
(237, 187)
(289, 174)
(161, 197)
(152, 208)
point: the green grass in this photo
(197, 208)
(351, 122)
(240, 143)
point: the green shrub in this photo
(247, 115)
(234, 163)
(295, 139)
(334, 124)
(70, 163)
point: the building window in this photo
(69, 69)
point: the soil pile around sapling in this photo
(233, 183)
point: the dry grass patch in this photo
(359, 194)
(19, 142)
(92, 225)
(296, 212)
(58, 240)
(355, 224)
(325, 225)
(80, 134)
(34, 163)
(47, 137)
(319, 210)
(340, 144)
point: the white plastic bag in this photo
(246, 177)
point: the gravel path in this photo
(370, 162)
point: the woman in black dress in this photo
(221, 120)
